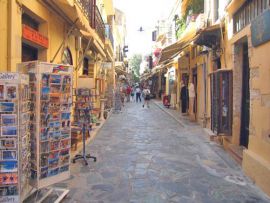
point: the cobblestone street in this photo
(144, 155)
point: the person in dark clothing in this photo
(184, 98)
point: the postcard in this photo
(54, 124)
(45, 93)
(9, 191)
(55, 79)
(2, 91)
(11, 92)
(8, 119)
(53, 172)
(64, 160)
(53, 163)
(7, 107)
(9, 155)
(65, 116)
(53, 155)
(63, 169)
(55, 88)
(65, 144)
(44, 134)
(64, 152)
(9, 131)
(44, 147)
(33, 174)
(45, 80)
(44, 172)
(8, 143)
(54, 145)
(54, 135)
(8, 178)
(8, 166)
(44, 159)
(26, 106)
(25, 117)
(66, 80)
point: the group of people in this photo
(136, 93)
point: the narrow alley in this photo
(144, 155)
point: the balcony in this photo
(108, 34)
(93, 15)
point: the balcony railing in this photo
(97, 23)
(91, 11)
(108, 33)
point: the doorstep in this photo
(235, 151)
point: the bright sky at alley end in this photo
(145, 14)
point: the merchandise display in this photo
(50, 128)
(15, 109)
(82, 118)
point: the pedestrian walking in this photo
(138, 94)
(146, 93)
(132, 94)
(128, 92)
(184, 98)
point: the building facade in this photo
(76, 32)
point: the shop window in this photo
(67, 57)
(221, 102)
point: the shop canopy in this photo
(210, 36)
(173, 50)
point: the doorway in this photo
(29, 53)
(245, 108)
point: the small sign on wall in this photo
(260, 29)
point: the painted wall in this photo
(256, 159)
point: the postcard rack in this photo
(51, 101)
(82, 118)
(15, 137)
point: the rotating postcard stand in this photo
(82, 118)
(51, 101)
(15, 137)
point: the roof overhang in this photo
(210, 36)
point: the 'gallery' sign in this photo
(9, 76)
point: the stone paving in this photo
(144, 155)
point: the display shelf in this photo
(83, 118)
(14, 138)
(51, 101)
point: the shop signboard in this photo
(34, 36)
(260, 29)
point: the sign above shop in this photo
(34, 36)
(260, 29)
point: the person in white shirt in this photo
(138, 94)
(146, 93)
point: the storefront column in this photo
(14, 37)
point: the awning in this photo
(210, 36)
(173, 50)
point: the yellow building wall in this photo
(256, 159)
(3, 35)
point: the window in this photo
(29, 21)
(248, 12)
(66, 57)
(85, 66)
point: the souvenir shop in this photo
(36, 119)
